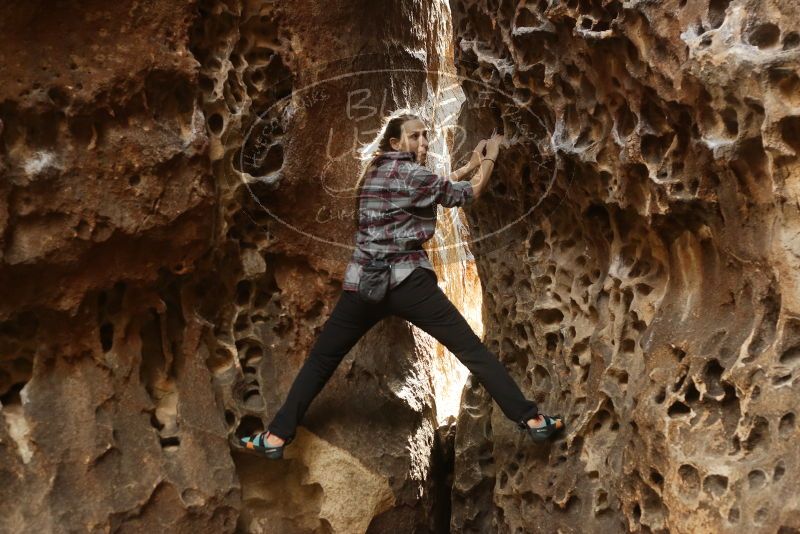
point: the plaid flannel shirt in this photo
(398, 213)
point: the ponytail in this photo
(361, 180)
(392, 128)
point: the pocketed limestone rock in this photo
(637, 261)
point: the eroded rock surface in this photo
(174, 215)
(644, 281)
(172, 237)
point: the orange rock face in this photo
(175, 219)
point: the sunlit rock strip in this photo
(651, 298)
(449, 248)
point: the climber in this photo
(396, 213)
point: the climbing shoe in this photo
(257, 443)
(553, 424)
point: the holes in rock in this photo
(779, 471)
(764, 35)
(716, 12)
(572, 503)
(656, 477)
(541, 377)
(206, 84)
(106, 336)
(677, 385)
(170, 443)
(549, 316)
(262, 299)
(654, 115)
(215, 123)
(691, 395)
(791, 40)
(790, 132)
(626, 120)
(243, 291)
(643, 289)
(715, 485)
(249, 425)
(253, 399)
(230, 418)
(600, 419)
(537, 241)
(242, 322)
(730, 399)
(601, 501)
(786, 425)
(712, 376)
(253, 355)
(503, 479)
(660, 396)
(10, 394)
(787, 81)
(733, 515)
(780, 380)
(760, 516)
(155, 423)
(680, 354)
(730, 121)
(690, 477)
(551, 341)
(756, 479)
(677, 409)
(758, 433)
(652, 502)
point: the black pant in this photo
(419, 300)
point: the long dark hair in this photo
(392, 128)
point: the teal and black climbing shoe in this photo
(258, 443)
(552, 425)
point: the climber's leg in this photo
(350, 320)
(419, 300)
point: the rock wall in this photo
(638, 256)
(174, 223)
(175, 220)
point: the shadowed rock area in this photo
(176, 215)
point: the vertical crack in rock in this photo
(639, 271)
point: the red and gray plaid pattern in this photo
(398, 213)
